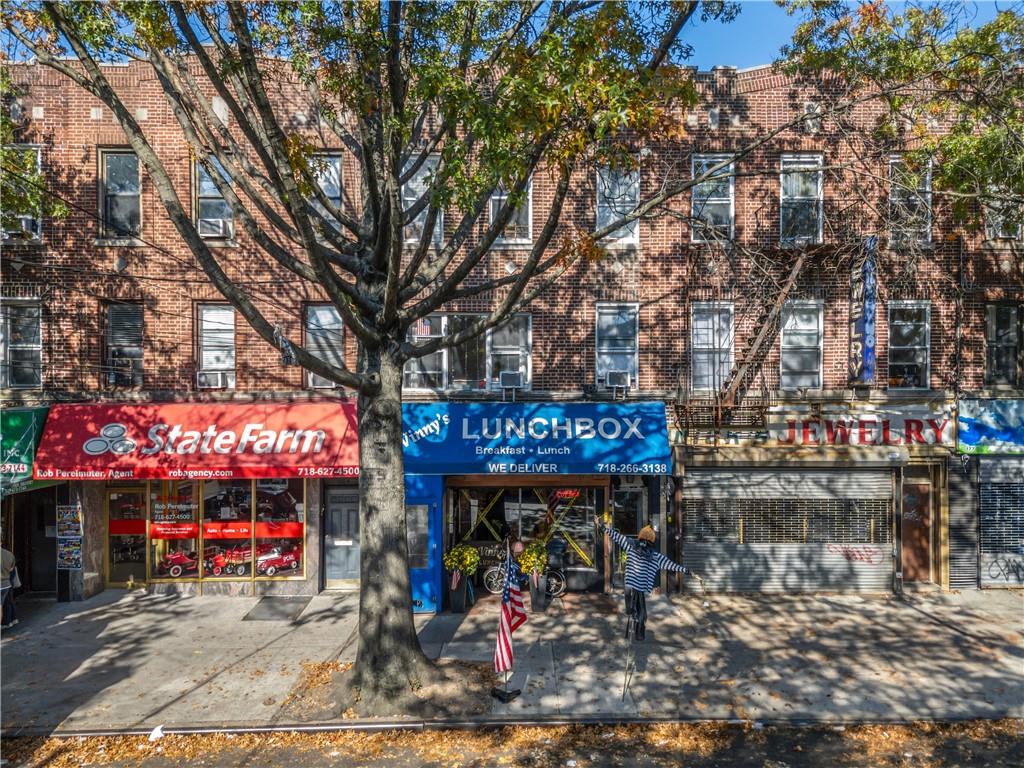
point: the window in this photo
(1002, 344)
(120, 194)
(227, 528)
(518, 229)
(909, 343)
(1002, 221)
(801, 345)
(21, 346)
(618, 193)
(174, 529)
(427, 372)
(475, 364)
(910, 202)
(412, 190)
(21, 222)
(712, 200)
(328, 177)
(325, 340)
(801, 207)
(216, 347)
(616, 340)
(711, 345)
(508, 349)
(124, 345)
(215, 219)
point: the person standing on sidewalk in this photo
(643, 564)
(7, 574)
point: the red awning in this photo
(196, 441)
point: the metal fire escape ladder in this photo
(748, 364)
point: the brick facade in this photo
(73, 272)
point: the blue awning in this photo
(535, 438)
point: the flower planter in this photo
(457, 596)
(538, 593)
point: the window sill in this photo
(512, 245)
(220, 243)
(14, 242)
(118, 242)
(629, 246)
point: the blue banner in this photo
(535, 438)
(863, 297)
(991, 426)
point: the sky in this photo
(761, 29)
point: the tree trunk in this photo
(389, 663)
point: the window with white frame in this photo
(412, 190)
(910, 202)
(23, 166)
(120, 194)
(124, 344)
(508, 349)
(712, 200)
(618, 194)
(711, 344)
(327, 171)
(616, 341)
(518, 229)
(1002, 221)
(214, 218)
(801, 345)
(800, 218)
(325, 337)
(909, 344)
(1003, 344)
(475, 364)
(216, 346)
(21, 345)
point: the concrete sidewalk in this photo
(136, 660)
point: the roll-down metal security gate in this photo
(780, 531)
(1001, 488)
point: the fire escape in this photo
(737, 404)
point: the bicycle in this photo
(494, 580)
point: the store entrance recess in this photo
(561, 517)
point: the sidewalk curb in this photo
(474, 724)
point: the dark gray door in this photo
(341, 537)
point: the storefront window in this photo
(564, 517)
(174, 530)
(227, 528)
(126, 524)
(280, 527)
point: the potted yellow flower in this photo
(461, 561)
(533, 560)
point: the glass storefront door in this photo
(126, 525)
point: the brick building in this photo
(808, 325)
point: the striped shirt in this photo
(643, 563)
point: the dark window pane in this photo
(123, 214)
(122, 174)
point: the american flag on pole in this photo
(513, 615)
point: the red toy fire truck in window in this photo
(178, 563)
(236, 561)
(274, 560)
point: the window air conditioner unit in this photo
(617, 380)
(214, 228)
(215, 379)
(511, 379)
